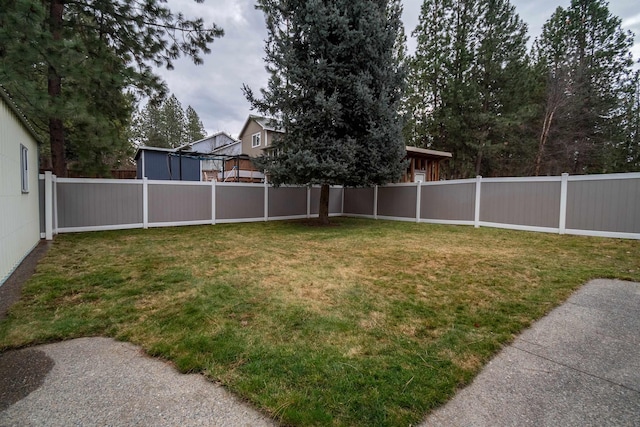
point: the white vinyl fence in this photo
(594, 205)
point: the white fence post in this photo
(562, 224)
(375, 202)
(266, 201)
(145, 202)
(308, 202)
(54, 193)
(48, 205)
(213, 202)
(476, 221)
(418, 200)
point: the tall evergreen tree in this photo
(147, 126)
(173, 122)
(627, 153)
(335, 84)
(194, 127)
(57, 54)
(164, 124)
(586, 57)
(466, 83)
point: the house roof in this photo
(147, 148)
(177, 149)
(23, 119)
(266, 123)
(225, 147)
(424, 152)
(182, 147)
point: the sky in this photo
(214, 89)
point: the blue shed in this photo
(166, 164)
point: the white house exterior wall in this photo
(19, 212)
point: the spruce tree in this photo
(335, 85)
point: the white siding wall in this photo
(19, 213)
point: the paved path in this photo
(102, 382)
(578, 366)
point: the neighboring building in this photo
(424, 164)
(213, 151)
(210, 143)
(239, 169)
(166, 164)
(258, 134)
(19, 195)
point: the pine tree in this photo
(427, 74)
(173, 122)
(148, 125)
(164, 124)
(194, 128)
(465, 83)
(57, 55)
(335, 84)
(586, 57)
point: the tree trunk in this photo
(56, 126)
(544, 135)
(479, 160)
(323, 211)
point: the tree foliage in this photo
(475, 91)
(465, 83)
(335, 85)
(585, 57)
(69, 63)
(194, 128)
(165, 124)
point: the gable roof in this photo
(189, 144)
(266, 123)
(4, 95)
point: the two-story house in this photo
(258, 134)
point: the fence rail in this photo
(595, 205)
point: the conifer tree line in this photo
(570, 104)
(165, 124)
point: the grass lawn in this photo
(361, 323)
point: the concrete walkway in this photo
(102, 382)
(579, 366)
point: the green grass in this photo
(361, 323)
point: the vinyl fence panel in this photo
(448, 202)
(239, 202)
(98, 204)
(287, 202)
(530, 204)
(605, 205)
(176, 203)
(397, 201)
(359, 201)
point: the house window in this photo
(255, 140)
(24, 168)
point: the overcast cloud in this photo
(214, 88)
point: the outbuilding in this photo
(19, 196)
(424, 164)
